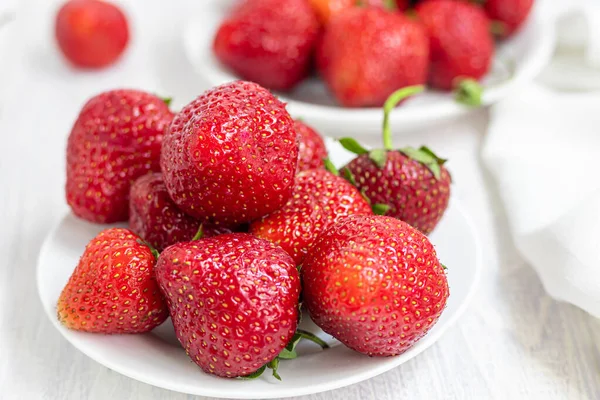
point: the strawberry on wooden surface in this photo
(158, 220)
(233, 301)
(230, 156)
(113, 290)
(269, 42)
(319, 199)
(461, 44)
(116, 139)
(374, 283)
(311, 147)
(91, 33)
(367, 53)
(409, 184)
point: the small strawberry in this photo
(91, 33)
(409, 184)
(367, 53)
(233, 301)
(311, 149)
(374, 283)
(461, 46)
(158, 221)
(116, 138)
(507, 15)
(268, 42)
(319, 199)
(230, 156)
(113, 290)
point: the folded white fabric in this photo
(543, 148)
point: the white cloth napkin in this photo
(543, 147)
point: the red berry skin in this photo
(411, 190)
(117, 138)
(311, 148)
(368, 53)
(511, 14)
(156, 218)
(269, 43)
(319, 199)
(230, 156)
(375, 284)
(113, 290)
(91, 33)
(461, 44)
(233, 301)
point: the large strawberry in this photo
(233, 301)
(367, 53)
(507, 15)
(311, 148)
(116, 138)
(409, 184)
(230, 156)
(91, 33)
(269, 42)
(461, 46)
(113, 290)
(156, 218)
(319, 199)
(374, 283)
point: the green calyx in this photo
(380, 209)
(330, 167)
(468, 92)
(199, 234)
(288, 353)
(167, 100)
(154, 252)
(426, 157)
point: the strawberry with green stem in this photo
(409, 184)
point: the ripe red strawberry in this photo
(154, 216)
(116, 138)
(268, 42)
(507, 15)
(311, 149)
(233, 300)
(461, 44)
(230, 156)
(319, 199)
(409, 184)
(374, 283)
(113, 290)
(91, 33)
(367, 53)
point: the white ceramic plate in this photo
(156, 358)
(518, 61)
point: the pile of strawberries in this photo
(249, 217)
(364, 50)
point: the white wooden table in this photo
(513, 342)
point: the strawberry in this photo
(230, 156)
(156, 218)
(268, 42)
(116, 138)
(311, 149)
(374, 283)
(233, 301)
(461, 45)
(409, 184)
(507, 15)
(91, 33)
(367, 53)
(113, 290)
(319, 199)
